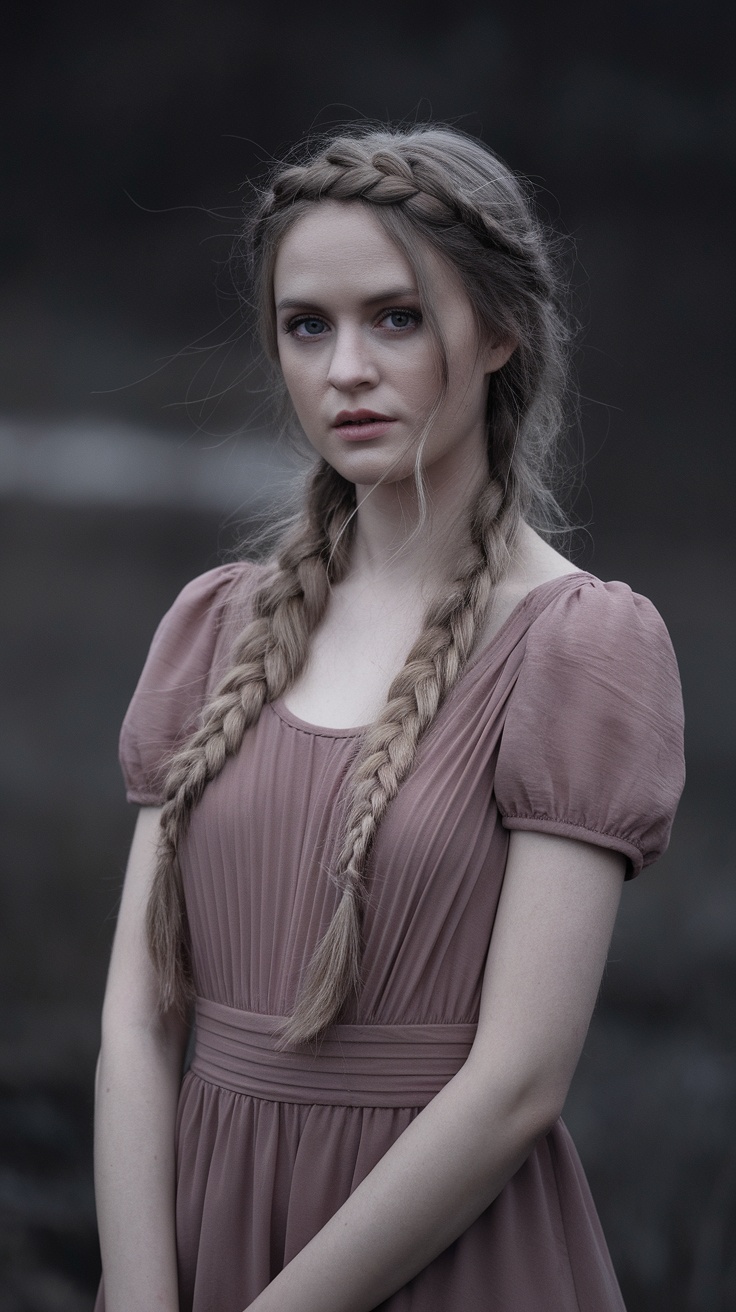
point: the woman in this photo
(392, 782)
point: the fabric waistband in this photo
(353, 1065)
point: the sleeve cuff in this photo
(544, 824)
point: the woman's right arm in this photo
(137, 1087)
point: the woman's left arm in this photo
(546, 958)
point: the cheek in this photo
(417, 377)
(306, 398)
(297, 380)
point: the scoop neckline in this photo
(530, 598)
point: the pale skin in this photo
(559, 897)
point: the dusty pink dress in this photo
(569, 722)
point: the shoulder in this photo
(536, 571)
(593, 738)
(204, 598)
(194, 637)
(189, 651)
(574, 606)
(594, 623)
(205, 616)
(601, 655)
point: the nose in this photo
(352, 364)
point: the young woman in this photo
(391, 784)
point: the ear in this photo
(498, 352)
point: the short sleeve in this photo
(175, 679)
(592, 745)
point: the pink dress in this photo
(569, 722)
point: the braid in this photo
(266, 659)
(387, 756)
(430, 188)
(354, 170)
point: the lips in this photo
(361, 425)
(351, 417)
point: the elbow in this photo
(133, 1015)
(527, 1105)
(532, 1108)
(542, 1108)
(131, 1038)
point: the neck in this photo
(400, 539)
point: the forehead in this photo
(338, 247)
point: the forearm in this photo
(136, 1096)
(443, 1171)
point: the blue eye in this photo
(399, 320)
(310, 324)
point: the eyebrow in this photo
(392, 294)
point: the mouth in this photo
(361, 425)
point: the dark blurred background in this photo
(134, 450)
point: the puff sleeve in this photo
(592, 746)
(175, 680)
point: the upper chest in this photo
(359, 649)
(354, 656)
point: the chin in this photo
(368, 472)
(378, 465)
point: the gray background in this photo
(134, 449)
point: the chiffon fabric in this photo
(568, 722)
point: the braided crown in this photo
(351, 169)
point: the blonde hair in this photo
(449, 191)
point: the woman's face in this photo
(359, 360)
